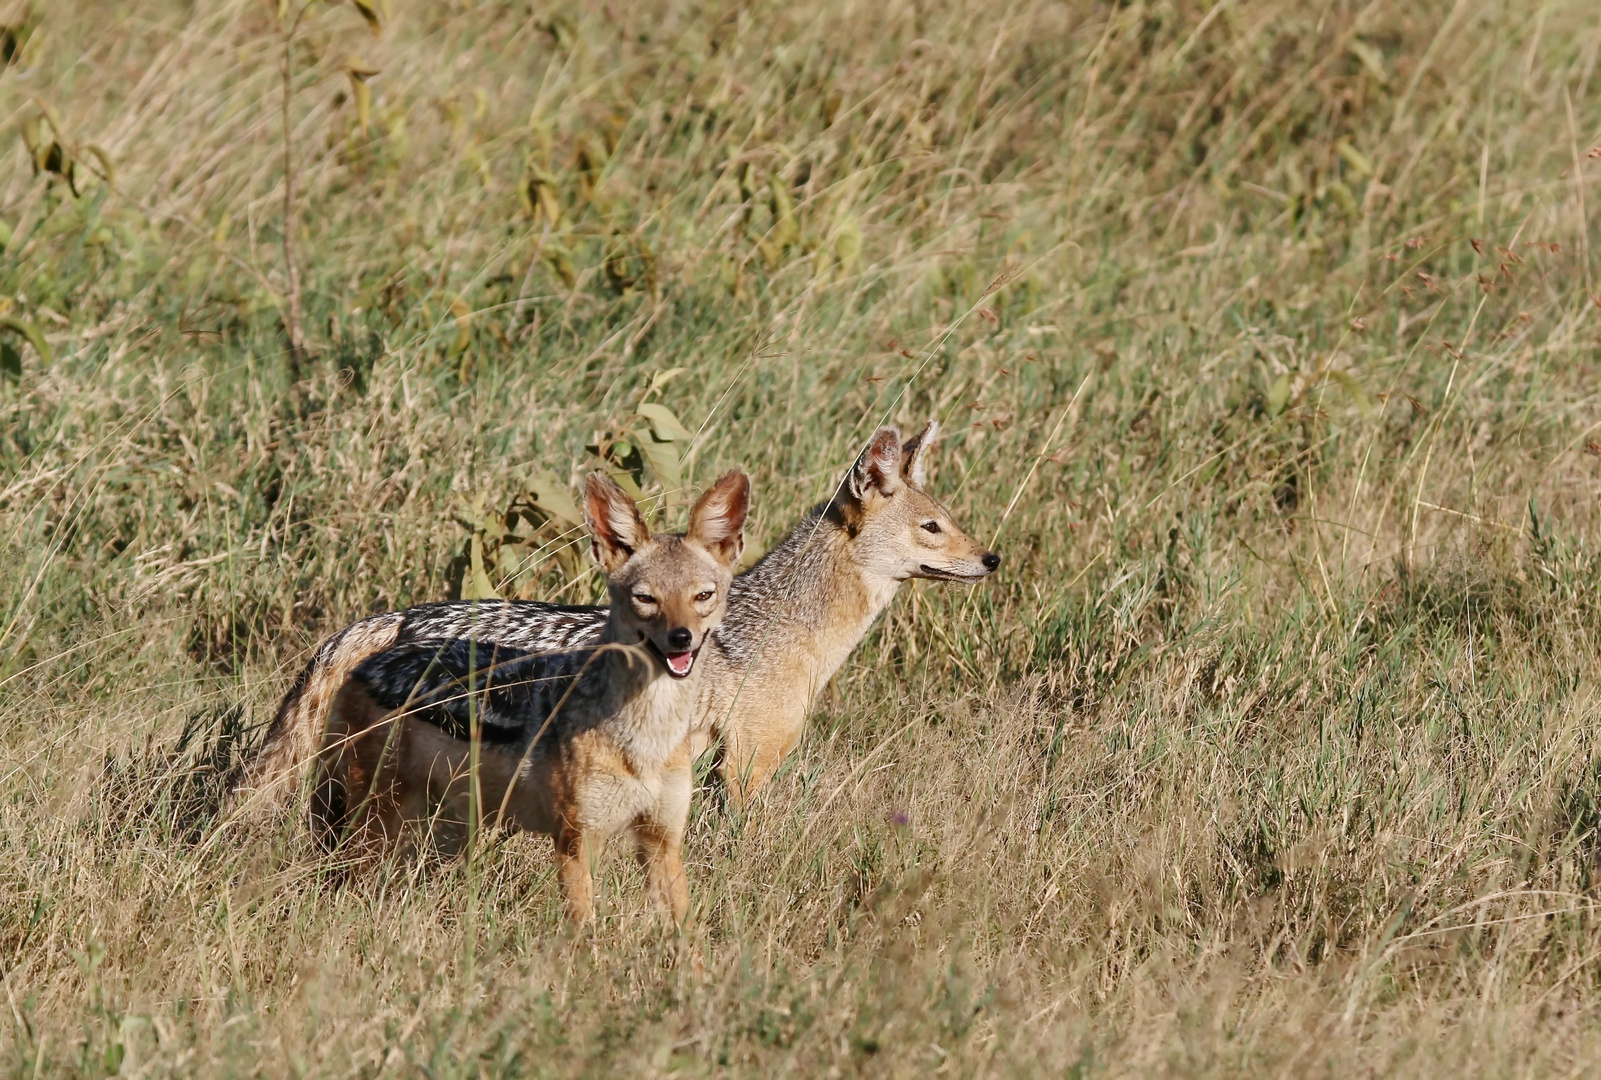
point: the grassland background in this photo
(1265, 337)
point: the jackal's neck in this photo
(647, 711)
(807, 599)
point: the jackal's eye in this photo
(644, 598)
(931, 526)
(704, 595)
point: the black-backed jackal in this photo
(793, 618)
(429, 739)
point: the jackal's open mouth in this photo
(679, 664)
(946, 575)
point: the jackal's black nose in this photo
(680, 638)
(991, 560)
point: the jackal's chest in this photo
(649, 729)
(636, 763)
(609, 803)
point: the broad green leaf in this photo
(1278, 395)
(58, 161)
(662, 421)
(590, 157)
(108, 168)
(549, 205)
(13, 39)
(464, 323)
(359, 71)
(28, 128)
(1370, 57)
(1349, 384)
(663, 459)
(50, 115)
(53, 156)
(552, 496)
(1354, 157)
(29, 331)
(477, 516)
(363, 96)
(538, 192)
(625, 480)
(561, 264)
(662, 378)
(369, 11)
(476, 586)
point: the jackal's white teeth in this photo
(678, 664)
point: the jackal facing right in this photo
(795, 616)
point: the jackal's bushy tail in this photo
(271, 781)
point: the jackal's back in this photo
(293, 738)
(458, 684)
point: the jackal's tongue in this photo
(679, 663)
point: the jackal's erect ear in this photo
(717, 523)
(879, 467)
(616, 530)
(913, 453)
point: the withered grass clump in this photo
(1265, 338)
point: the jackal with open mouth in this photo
(431, 738)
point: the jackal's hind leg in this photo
(353, 804)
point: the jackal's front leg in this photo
(572, 869)
(659, 834)
(660, 852)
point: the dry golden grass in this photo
(1265, 335)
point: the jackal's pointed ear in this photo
(616, 530)
(879, 467)
(913, 453)
(717, 522)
